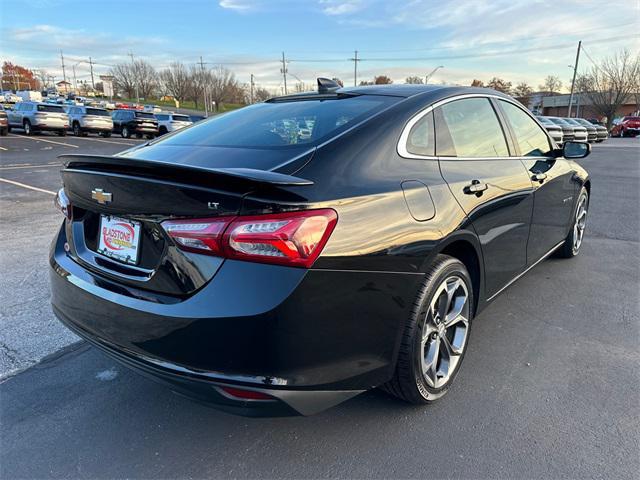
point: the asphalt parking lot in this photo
(550, 387)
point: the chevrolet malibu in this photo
(268, 272)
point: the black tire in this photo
(162, 131)
(76, 129)
(138, 135)
(62, 133)
(151, 137)
(106, 134)
(125, 132)
(28, 130)
(4, 132)
(9, 129)
(570, 248)
(409, 382)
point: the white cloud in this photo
(341, 7)
(237, 5)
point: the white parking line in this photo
(18, 184)
(106, 141)
(44, 140)
(18, 167)
(2, 148)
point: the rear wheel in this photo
(436, 336)
(28, 130)
(150, 137)
(106, 134)
(573, 242)
(62, 133)
(162, 131)
(138, 135)
(125, 132)
(76, 129)
(4, 131)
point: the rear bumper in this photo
(310, 339)
(49, 128)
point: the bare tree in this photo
(500, 85)
(612, 83)
(262, 94)
(414, 80)
(522, 92)
(198, 77)
(222, 87)
(176, 81)
(146, 78)
(551, 84)
(124, 79)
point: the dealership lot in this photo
(549, 388)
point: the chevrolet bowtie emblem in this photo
(101, 196)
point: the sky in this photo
(518, 40)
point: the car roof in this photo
(429, 92)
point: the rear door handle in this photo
(539, 177)
(475, 188)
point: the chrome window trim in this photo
(401, 147)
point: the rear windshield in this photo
(50, 108)
(181, 118)
(145, 115)
(97, 111)
(282, 124)
(635, 119)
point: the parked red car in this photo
(627, 127)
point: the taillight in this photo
(200, 236)
(62, 203)
(293, 239)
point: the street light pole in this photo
(426, 79)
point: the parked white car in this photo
(11, 97)
(29, 95)
(170, 122)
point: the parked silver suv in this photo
(37, 117)
(85, 120)
(170, 122)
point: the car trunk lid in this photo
(115, 196)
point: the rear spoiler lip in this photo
(250, 174)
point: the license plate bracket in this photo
(119, 239)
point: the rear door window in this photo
(469, 128)
(530, 138)
(421, 139)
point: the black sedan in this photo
(287, 256)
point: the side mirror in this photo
(575, 150)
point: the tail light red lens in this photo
(293, 238)
(200, 236)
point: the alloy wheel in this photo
(580, 223)
(445, 331)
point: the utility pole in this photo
(573, 82)
(355, 61)
(251, 90)
(75, 81)
(135, 75)
(93, 85)
(64, 74)
(204, 88)
(283, 70)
